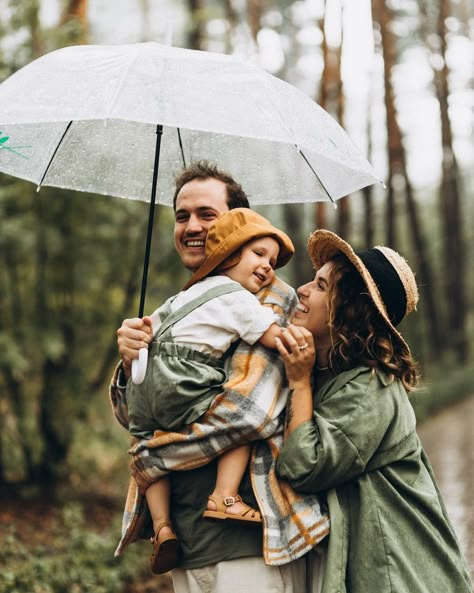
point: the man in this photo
(216, 556)
(202, 193)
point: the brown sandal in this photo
(248, 515)
(165, 551)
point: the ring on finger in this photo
(305, 345)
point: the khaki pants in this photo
(250, 575)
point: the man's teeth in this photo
(302, 308)
(194, 243)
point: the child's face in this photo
(256, 266)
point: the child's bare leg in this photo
(165, 543)
(230, 470)
(158, 499)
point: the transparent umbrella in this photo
(102, 119)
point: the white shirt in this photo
(215, 325)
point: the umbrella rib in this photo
(290, 135)
(111, 104)
(53, 156)
(181, 147)
(316, 175)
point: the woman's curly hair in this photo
(359, 334)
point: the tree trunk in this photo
(397, 166)
(63, 398)
(145, 32)
(36, 40)
(196, 31)
(367, 192)
(320, 217)
(383, 15)
(12, 322)
(343, 209)
(254, 11)
(450, 207)
(320, 214)
(293, 214)
(14, 387)
(57, 414)
(232, 19)
(19, 407)
(331, 98)
(368, 217)
(76, 12)
(301, 266)
(76, 9)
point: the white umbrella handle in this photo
(139, 366)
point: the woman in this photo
(350, 429)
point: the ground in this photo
(39, 536)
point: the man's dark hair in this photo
(236, 197)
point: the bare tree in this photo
(76, 9)
(75, 12)
(331, 98)
(196, 29)
(449, 196)
(232, 19)
(254, 12)
(367, 193)
(145, 20)
(337, 97)
(397, 166)
(382, 16)
(320, 214)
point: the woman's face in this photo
(312, 311)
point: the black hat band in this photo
(388, 282)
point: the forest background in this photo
(398, 76)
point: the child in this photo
(196, 328)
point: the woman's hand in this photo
(297, 351)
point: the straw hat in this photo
(389, 279)
(231, 231)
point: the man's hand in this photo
(133, 334)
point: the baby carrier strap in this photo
(206, 296)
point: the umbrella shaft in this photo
(151, 215)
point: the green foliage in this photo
(70, 266)
(441, 387)
(70, 269)
(73, 559)
(11, 355)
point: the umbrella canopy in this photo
(85, 118)
(102, 119)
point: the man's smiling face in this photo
(198, 204)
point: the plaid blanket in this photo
(249, 409)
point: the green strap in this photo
(206, 296)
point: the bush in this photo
(72, 559)
(442, 387)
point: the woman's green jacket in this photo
(389, 529)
